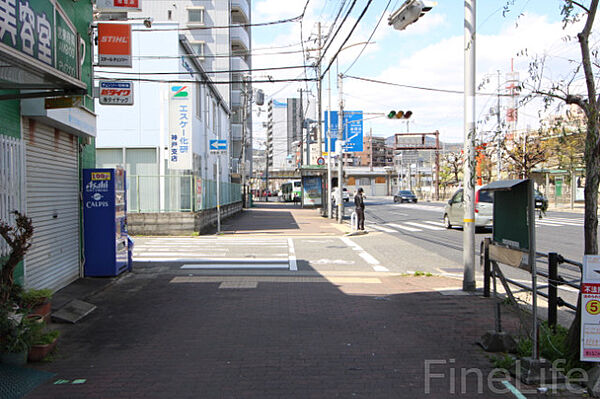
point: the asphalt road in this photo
(422, 224)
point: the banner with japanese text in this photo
(590, 309)
(180, 127)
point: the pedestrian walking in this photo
(359, 203)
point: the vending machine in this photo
(105, 222)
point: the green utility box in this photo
(511, 200)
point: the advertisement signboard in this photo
(40, 31)
(353, 130)
(119, 5)
(312, 192)
(116, 92)
(180, 127)
(114, 45)
(590, 309)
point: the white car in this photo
(454, 212)
(345, 194)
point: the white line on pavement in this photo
(381, 228)
(365, 255)
(380, 268)
(292, 255)
(399, 226)
(424, 226)
(434, 223)
(368, 258)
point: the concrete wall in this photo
(178, 223)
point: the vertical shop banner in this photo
(114, 45)
(590, 309)
(180, 127)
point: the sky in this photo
(428, 54)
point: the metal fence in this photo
(177, 193)
(11, 181)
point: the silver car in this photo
(454, 212)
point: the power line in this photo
(335, 34)
(347, 38)
(370, 37)
(421, 87)
(268, 23)
(202, 82)
(198, 73)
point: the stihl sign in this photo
(114, 44)
(116, 92)
(119, 5)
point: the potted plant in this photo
(42, 345)
(16, 333)
(38, 301)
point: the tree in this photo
(524, 152)
(565, 91)
(18, 238)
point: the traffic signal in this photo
(399, 114)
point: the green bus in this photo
(291, 189)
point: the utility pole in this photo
(469, 148)
(330, 150)
(498, 131)
(340, 202)
(244, 116)
(319, 99)
(371, 147)
(302, 143)
(267, 173)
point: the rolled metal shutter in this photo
(52, 202)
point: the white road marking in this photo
(434, 223)
(281, 265)
(292, 256)
(380, 268)
(365, 255)
(381, 228)
(548, 224)
(399, 226)
(368, 258)
(424, 226)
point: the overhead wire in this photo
(335, 34)
(347, 38)
(370, 37)
(206, 72)
(216, 82)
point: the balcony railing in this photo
(240, 37)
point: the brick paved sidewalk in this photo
(288, 337)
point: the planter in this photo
(39, 352)
(43, 309)
(36, 318)
(14, 358)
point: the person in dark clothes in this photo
(360, 208)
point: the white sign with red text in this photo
(590, 309)
(119, 5)
(114, 92)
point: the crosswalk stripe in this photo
(548, 224)
(381, 228)
(424, 226)
(434, 223)
(399, 226)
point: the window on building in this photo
(195, 15)
(198, 47)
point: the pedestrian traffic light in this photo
(399, 114)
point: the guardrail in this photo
(553, 277)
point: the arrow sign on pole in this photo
(217, 145)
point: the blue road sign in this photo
(218, 145)
(353, 130)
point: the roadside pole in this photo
(340, 203)
(218, 193)
(330, 151)
(469, 145)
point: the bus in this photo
(291, 189)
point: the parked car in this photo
(454, 212)
(405, 196)
(345, 194)
(541, 202)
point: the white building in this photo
(220, 36)
(165, 152)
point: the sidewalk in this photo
(163, 332)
